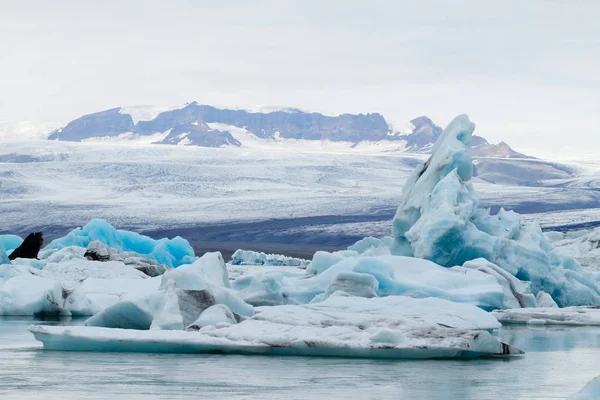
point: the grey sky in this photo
(527, 72)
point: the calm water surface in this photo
(557, 364)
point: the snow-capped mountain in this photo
(191, 125)
(425, 133)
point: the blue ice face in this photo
(171, 252)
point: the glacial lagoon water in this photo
(559, 361)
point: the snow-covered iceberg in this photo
(439, 219)
(171, 252)
(343, 326)
(570, 316)
(178, 300)
(66, 283)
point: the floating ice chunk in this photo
(574, 316)
(167, 308)
(171, 252)
(391, 327)
(544, 300)
(439, 220)
(184, 293)
(394, 275)
(248, 257)
(591, 391)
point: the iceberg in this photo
(569, 316)
(171, 252)
(385, 275)
(248, 257)
(175, 300)
(439, 219)
(341, 326)
(65, 284)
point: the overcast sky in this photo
(527, 72)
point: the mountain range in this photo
(191, 125)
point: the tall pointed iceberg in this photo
(439, 219)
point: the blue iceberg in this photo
(440, 220)
(171, 252)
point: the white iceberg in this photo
(249, 257)
(570, 316)
(343, 326)
(179, 301)
(65, 283)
